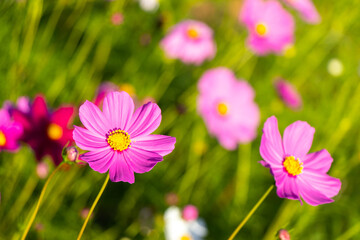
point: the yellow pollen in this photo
(293, 166)
(119, 140)
(261, 29)
(222, 109)
(54, 131)
(185, 238)
(192, 33)
(2, 139)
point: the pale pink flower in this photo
(270, 26)
(306, 9)
(190, 41)
(117, 19)
(227, 107)
(297, 172)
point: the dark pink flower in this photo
(297, 173)
(10, 132)
(228, 108)
(288, 94)
(270, 26)
(46, 131)
(190, 41)
(119, 140)
(307, 10)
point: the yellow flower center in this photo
(185, 237)
(2, 139)
(119, 140)
(293, 166)
(261, 29)
(192, 33)
(222, 109)
(54, 131)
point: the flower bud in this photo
(283, 235)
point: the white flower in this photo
(149, 5)
(335, 67)
(175, 227)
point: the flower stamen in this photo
(293, 166)
(2, 139)
(192, 33)
(119, 140)
(222, 108)
(261, 29)
(54, 131)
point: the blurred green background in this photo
(64, 49)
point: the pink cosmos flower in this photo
(10, 132)
(190, 41)
(270, 26)
(46, 131)
(307, 10)
(117, 19)
(288, 94)
(228, 108)
(297, 173)
(118, 139)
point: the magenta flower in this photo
(306, 9)
(46, 131)
(297, 173)
(228, 108)
(10, 132)
(118, 139)
(288, 94)
(270, 26)
(190, 41)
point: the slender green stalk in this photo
(251, 212)
(42, 194)
(92, 207)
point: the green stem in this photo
(92, 207)
(42, 194)
(251, 213)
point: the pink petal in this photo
(310, 194)
(141, 160)
(4, 117)
(93, 119)
(89, 141)
(160, 144)
(100, 160)
(63, 116)
(271, 148)
(39, 109)
(145, 120)
(327, 185)
(298, 138)
(120, 170)
(318, 161)
(118, 107)
(287, 186)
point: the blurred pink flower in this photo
(297, 173)
(103, 90)
(270, 26)
(283, 235)
(288, 94)
(190, 41)
(119, 140)
(228, 108)
(42, 170)
(190, 212)
(307, 10)
(10, 132)
(117, 19)
(46, 131)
